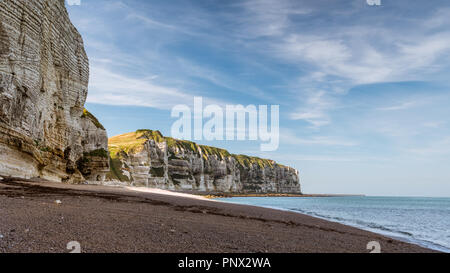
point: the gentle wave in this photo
(414, 220)
(358, 222)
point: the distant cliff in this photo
(146, 158)
(44, 71)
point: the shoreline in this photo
(219, 195)
(111, 220)
(425, 244)
(231, 195)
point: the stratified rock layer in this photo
(44, 73)
(146, 158)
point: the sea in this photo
(418, 220)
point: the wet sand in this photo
(108, 220)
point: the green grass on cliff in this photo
(247, 161)
(127, 143)
(87, 114)
(115, 171)
(208, 151)
(150, 134)
(134, 142)
(182, 144)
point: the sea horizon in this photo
(376, 195)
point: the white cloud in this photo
(289, 137)
(360, 62)
(434, 124)
(152, 22)
(439, 19)
(332, 57)
(338, 57)
(221, 80)
(322, 158)
(327, 158)
(317, 49)
(317, 103)
(109, 87)
(266, 18)
(402, 106)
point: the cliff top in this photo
(134, 143)
(87, 114)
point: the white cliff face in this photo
(44, 73)
(46, 132)
(148, 159)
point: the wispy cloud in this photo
(316, 104)
(338, 57)
(114, 88)
(436, 148)
(402, 106)
(289, 137)
(108, 87)
(266, 18)
(324, 158)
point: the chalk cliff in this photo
(46, 132)
(44, 71)
(146, 158)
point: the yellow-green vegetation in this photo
(134, 142)
(131, 142)
(87, 114)
(45, 149)
(247, 161)
(208, 151)
(182, 144)
(116, 170)
(150, 134)
(171, 142)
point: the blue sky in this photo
(364, 91)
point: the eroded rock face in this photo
(44, 73)
(146, 158)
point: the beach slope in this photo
(38, 216)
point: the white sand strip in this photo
(166, 192)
